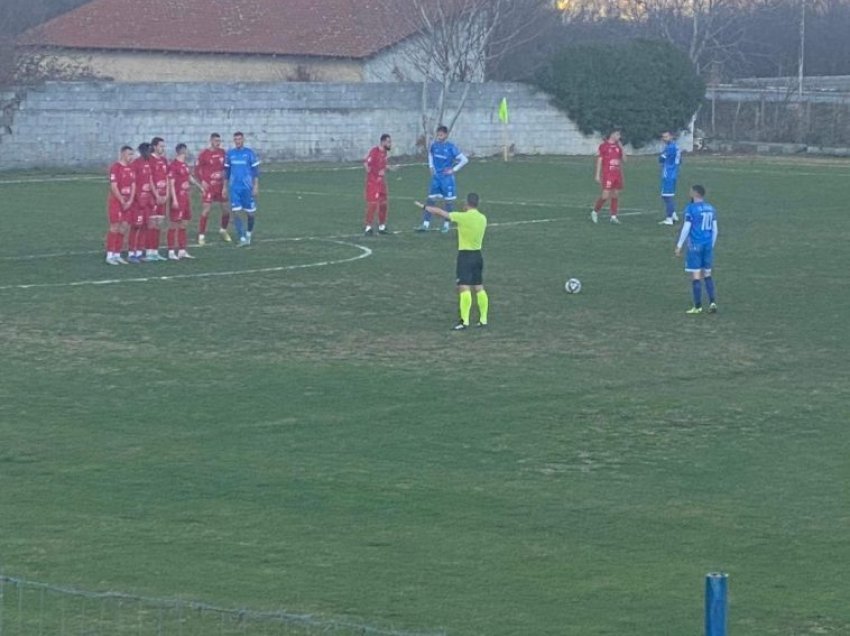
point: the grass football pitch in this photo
(295, 425)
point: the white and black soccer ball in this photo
(572, 286)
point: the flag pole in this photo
(503, 117)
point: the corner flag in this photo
(503, 111)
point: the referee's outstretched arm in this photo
(433, 210)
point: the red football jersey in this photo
(376, 164)
(159, 171)
(122, 176)
(179, 173)
(210, 165)
(612, 157)
(144, 176)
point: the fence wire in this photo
(39, 609)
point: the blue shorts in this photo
(442, 187)
(242, 199)
(668, 186)
(699, 257)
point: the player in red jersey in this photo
(180, 181)
(609, 175)
(376, 185)
(209, 170)
(122, 188)
(159, 171)
(143, 203)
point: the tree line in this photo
(725, 39)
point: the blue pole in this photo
(716, 603)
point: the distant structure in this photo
(234, 41)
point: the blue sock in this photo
(250, 222)
(697, 289)
(449, 208)
(237, 223)
(709, 287)
(669, 206)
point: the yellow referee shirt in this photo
(471, 226)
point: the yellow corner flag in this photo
(503, 111)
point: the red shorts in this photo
(613, 181)
(215, 192)
(376, 191)
(182, 211)
(115, 211)
(141, 210)
(159, 208)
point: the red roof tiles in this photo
(326, 28)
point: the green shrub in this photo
(642, 86)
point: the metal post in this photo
(802, 58)
(716, 602)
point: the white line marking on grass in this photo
(364, 253)
(68, 178)
(332, 237)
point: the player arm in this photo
(430, 161)
(714, 232)
(434, 210)
(173, 191)
(462, 160)
(598, 168)
(683, 236)
(116, 191)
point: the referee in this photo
(471, 225)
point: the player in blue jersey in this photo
(444, 160)
(699, 231)
(670, 160)
(242, 169)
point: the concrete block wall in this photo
(83, 124)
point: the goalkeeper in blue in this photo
(242, 168)
(699, 233)
(670, 160)
(444, 160)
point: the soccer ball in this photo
(573, 286)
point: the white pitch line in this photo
(331, 237)
(365, 252)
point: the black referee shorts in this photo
(470, 267)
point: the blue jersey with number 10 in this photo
(702, 217)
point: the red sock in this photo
(181, 238)
(202, 225)
(615, 206)
(153, 238)
(370, 213)
(599, 203)
(133, 238)
(115, 242)
(382, 213)
(172, 238)
(225, 220)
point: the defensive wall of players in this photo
(62, 124)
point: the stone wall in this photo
(83, 124)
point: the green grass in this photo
(317, 439)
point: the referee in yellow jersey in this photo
(471, 225)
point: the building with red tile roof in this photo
(234, 40)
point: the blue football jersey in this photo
(702, 217)
(443, 155)
(241, 166)
(670, 160)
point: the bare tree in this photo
(24, 67)
(456, 41)
(709, 31)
